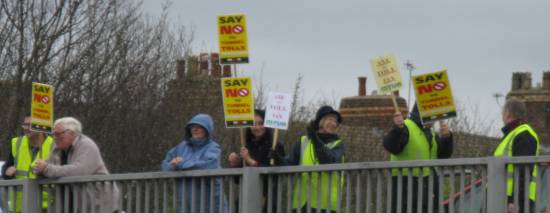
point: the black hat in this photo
(325, 110)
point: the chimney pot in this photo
(546, 80)
(362, 86)
(226, 71)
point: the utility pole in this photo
(410, 67)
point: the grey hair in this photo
(516, 108)
(70, 123)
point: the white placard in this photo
(278, 109)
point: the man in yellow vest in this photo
(25, 151)
(321, 146)
(519, 140)
(410, 139)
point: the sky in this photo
(330, 43)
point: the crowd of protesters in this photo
(68, 152)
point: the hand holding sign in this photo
(398, 119)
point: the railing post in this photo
(31, 197)
(496, 185)
(251, 201)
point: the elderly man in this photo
(519, 140)
(76, 154)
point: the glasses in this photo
(57, 134)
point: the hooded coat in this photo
(197, 155)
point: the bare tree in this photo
(109, 63)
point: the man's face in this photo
(26, 126)
(63, 137)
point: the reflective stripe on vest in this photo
(329, 189)
(417, 148)
(505, 149)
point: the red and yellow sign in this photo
(42, 107)
(238, 102)
(434, 96)
(387, 74)
(233, 40)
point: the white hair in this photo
(70, 123)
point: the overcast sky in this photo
(330, 43)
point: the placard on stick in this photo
(233, 42)
(278, 108)
(434, 96)
(387, 74)
(238, 102)
(42, 107)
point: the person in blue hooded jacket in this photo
(196, 152)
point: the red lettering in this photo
(230, 93)
(226, 30)
(37, 98)
(424, 88)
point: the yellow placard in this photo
(238, 102)
(387, 74)
(434, 96)
(233, 40)
(42, 107)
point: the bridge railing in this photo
(451, 185)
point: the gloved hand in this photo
(312, 135)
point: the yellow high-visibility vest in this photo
(505, 149)
(308, 158)
(417, 148)
(24, 161)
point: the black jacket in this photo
(260, 150)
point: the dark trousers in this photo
(415, 188)
(521, 207)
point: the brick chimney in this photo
(226, 71)
(546, 80)
(521, 81)
(193, 66)
(216, 68)
(362, 86)
(180, 69)
(203, 63)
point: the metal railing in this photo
(451, 185)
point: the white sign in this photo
(278, 110)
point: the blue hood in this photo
(203, 120)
